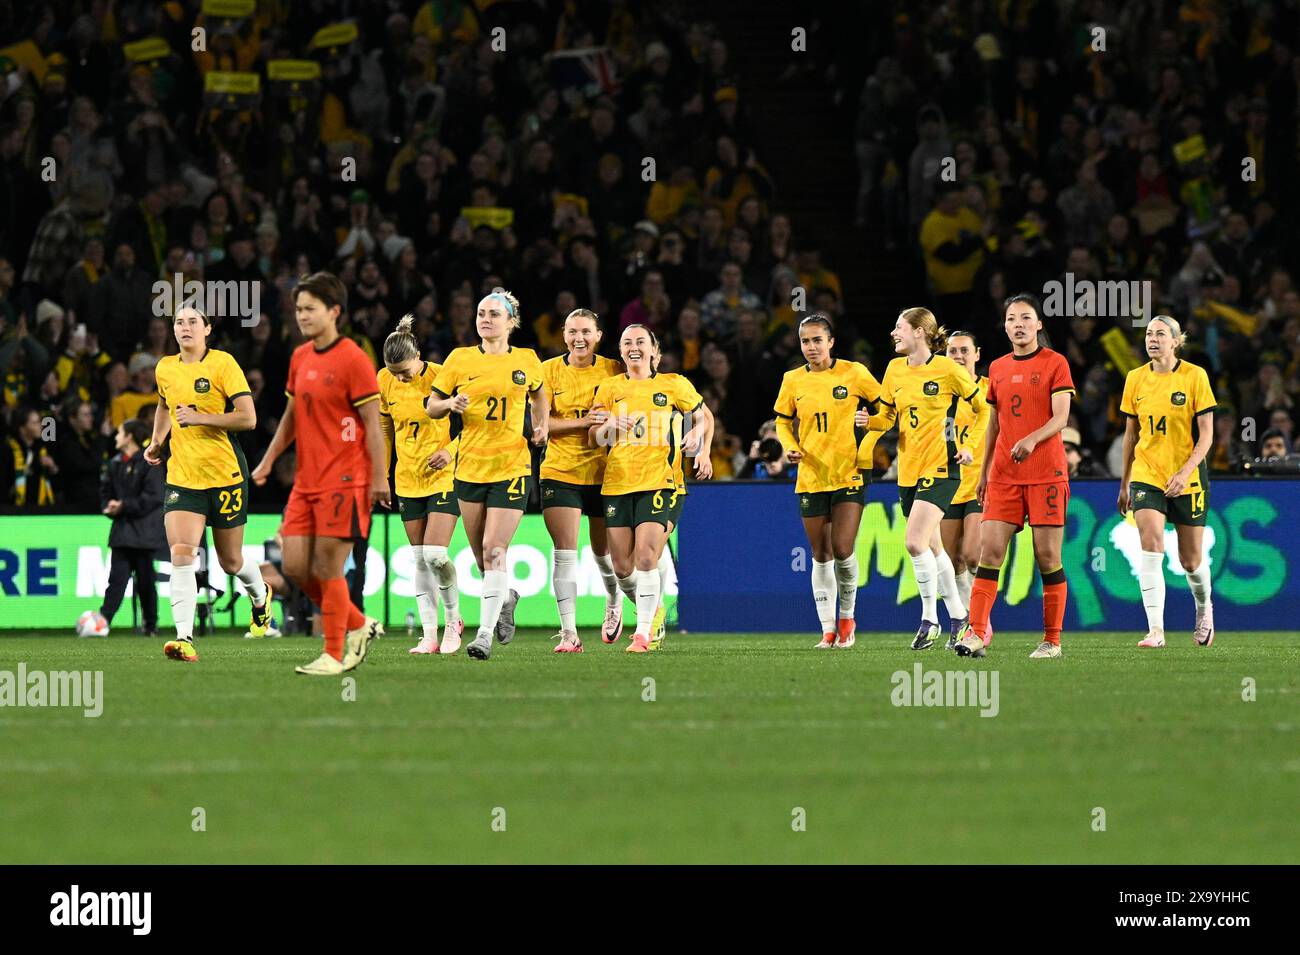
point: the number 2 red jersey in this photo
(327, 387)
(1021, 389)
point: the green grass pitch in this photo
(743, 732)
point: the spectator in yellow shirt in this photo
(143, 390)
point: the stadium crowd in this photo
(426, 165)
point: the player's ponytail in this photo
(1176, 330)
(400, 346)
(923, 321)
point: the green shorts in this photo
(1186, 509)
(585, 497)
(959, 512)
(222, 506)
(936, 491)
(511, 493)
(675, 506)
(639, 507)
(414, 508)
(820, 503)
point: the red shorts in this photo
(343, 513)
(1045, 504)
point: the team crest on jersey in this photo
(839, 391)
(518, 377)
(1178, 398)
(931, 388)
(660, 399)
(1034, 378)
(202, 386)
(329, 378)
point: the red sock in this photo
(983, 594)
(334, 614)
(312, 588)
(1054, 594)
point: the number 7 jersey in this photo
(416, 436)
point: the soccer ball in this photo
(92, 624)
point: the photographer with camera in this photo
(766, 461)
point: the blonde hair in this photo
(584, 313)
(923, 320)
(1176, 330)
(512, 305)
(401, 345)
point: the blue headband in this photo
(510, 309)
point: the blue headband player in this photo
(510, 309)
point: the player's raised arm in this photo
(242, 418)
(279, 444)
(1060, 417)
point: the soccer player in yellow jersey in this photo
(426, 495)
(1170, 410)
(639, 484)
(815, 411)
(206, 398)
(921, 391)
(572, 471)
(960, 529)
(488, 385)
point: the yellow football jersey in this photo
(416, 436)
(923, 399)
(824, 403)
(642, 459)
(203, 457)
(492, 442)
(1166, 406)
(573, 391)
(971, 427)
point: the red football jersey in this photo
(327, 387)
(1021, 389)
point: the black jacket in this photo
(81, 460)
(139, 487)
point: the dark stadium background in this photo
(775, 168)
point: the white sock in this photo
(964, 583)
(496, 585)
(1198, 581)
(1151, 578)
(948, 586)
(424, 591)
(927, 572)
(185, 594)
(444, 571)
(251, 577)
(823, 587)
(564, 581)
(628, 585)
(647, 599)
(665, 565)
(846, 578)
(608, 578)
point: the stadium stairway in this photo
(806, 142)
